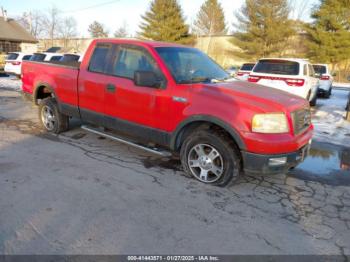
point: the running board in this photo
(156, 151)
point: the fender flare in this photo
(210, 119)
(36, 89)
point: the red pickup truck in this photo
(161, 96)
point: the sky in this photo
(113, 14)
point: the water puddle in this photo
(327, 163)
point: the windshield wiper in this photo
(195, 80)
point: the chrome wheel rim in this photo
(205, 163)
(48, 118)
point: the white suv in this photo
(13, 63)
(244, 71)
(45, 57)
(326, 79)
(296, 76)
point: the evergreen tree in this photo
(164, 21)
(329, 34)
(210, 19)
(263, 28)
(97, 30)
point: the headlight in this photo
(273, 123)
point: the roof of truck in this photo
(138, 42)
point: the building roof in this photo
(10, 30)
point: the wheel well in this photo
(42, 92)
(201, 125)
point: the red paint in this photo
(234, 103)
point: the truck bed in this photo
(62, 77)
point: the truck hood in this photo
(263, 97)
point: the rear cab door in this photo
(92, 83)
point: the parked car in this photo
(326, 79)
(244, 71)
(169, 98)
(295, 76)
(13, 63)
(39, 57)
(232, 70)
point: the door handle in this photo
(110, 88)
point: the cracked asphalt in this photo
(78, 193)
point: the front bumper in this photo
(273, 164)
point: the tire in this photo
(210, 157)
(50, 117)
(329, 93)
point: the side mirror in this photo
(146, 78)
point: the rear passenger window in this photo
(26, 57)
(99, 60)
(70, 58)
(131, 59)
(37, 57)
(55, 58)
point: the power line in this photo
(89, 7)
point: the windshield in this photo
(189, 65)
(247, 67)
(278, 67)
(320, 70)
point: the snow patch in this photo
(329, 119)
(11, 82)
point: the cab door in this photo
(130, 107)
(92, 84)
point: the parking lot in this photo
(79, 193)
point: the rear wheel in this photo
(328, 93)
(50, 117)
(211, 158)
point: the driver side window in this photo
(130, 59)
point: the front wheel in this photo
(50, 117)
(211, 157)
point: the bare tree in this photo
(299, 8)
(68, 29)
(52, 23)
(33, 22)
(97, 30)
(122, 31)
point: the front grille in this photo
(301, 120)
